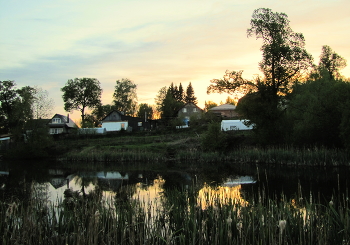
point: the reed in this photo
(179, 218)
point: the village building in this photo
(225, 111)
(60, 124)
(117, 121)
(189, 111)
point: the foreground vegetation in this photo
(189, 145)
(179, 219)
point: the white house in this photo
(227, 125)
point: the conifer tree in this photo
(190, 98)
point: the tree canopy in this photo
(125, 97)
(284, 61)
(15, 106)
(145, 111)
(190, 98)
(80, 94)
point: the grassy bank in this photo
(179, 220)
(187, 147)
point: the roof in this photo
(66, 120)
(224, 107)
(190, 104)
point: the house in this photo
(227, 125)
(116, 121)
(189, 110)
(60, 124)
(225, 110)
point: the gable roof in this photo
(224, 107)
(65, 120)
(120, 113)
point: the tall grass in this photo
(180, 219)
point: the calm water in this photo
(23, 180)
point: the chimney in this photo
(68, 118)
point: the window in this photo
(194, 109)
(56, 130)
(56, 120)
(184, 110)
(233, 128)
(139, 124)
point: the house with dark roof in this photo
(225, 110)
(60, 124)
(189, 110)
(116, 121)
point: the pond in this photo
(19, 179)
(221, 203)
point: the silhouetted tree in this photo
(190, 98)
(125, 97)
(81, 93)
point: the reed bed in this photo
(272, 155)
(179, 218)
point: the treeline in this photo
(81, 94)
(294, 101)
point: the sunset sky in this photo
(153, 43)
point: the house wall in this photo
(114, 126)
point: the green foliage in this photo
(210, 104)
(145, 110)
(81, 93)
(15, 107)
(284, 58)
(319, 111)
(214, 139)
(125, 97)
(170, 106)
(190, 98)
(331, 62)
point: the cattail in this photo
(282, 225)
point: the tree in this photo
(170, 106)
(331, 62)
(318, 109)
(160, 97)
(125, 97)
(284, 53)
(15, 106)
(190, 98)
(80, 94)
(42, 105)
(145, 111)
(229, 100)
(317, 112)
(210, 104)
(179, 93)
(284, 60)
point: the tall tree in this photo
(190, 98)
(331, 62)
(15, 106)
(179, 93)
(125, 97)
(170, 106)
(284, 60)
(160, 97)
(80, 94)
(42, 105)
(145, 111)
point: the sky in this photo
(151, 42)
